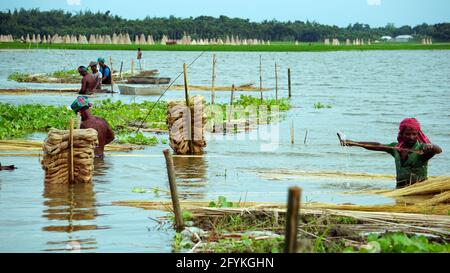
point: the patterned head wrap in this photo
(79, 103)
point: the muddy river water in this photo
(369, 94)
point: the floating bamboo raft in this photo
(58, 158)
(180, 127)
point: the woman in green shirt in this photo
(411, 152)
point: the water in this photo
(370, 92)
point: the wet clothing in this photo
(106, 72)
(414, 169)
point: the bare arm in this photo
(83, 86)
(430, 150)
(109, 134)
(372, 146)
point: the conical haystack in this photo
(56, 160)
(178, 125)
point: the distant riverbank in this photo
(274, 47)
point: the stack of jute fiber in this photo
(437, 188)
(57, 156)
(178, 123)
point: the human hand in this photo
(427, 148)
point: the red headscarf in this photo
(414, 124)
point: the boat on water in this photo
(141, 89)
(147, 80)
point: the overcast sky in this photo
(331, 12)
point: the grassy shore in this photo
(273, 47)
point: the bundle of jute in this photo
(430, 186)
(56, 160)
(178, 123)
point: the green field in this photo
(273, 47)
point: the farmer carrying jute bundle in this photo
(411, 152)
(105, 133)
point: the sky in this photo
(330, 12)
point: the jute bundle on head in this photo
(178, 123)
(56, 160)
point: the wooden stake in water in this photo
(293, 208)
(289, 82)
(213, 81)
(188, 111)
(132, 67)
(111, 71)
(173, 191)
(71, 167)
(120, 73)
(292, 132)
(306, 137)
(231, 103)
(260, 77)
(276, 81)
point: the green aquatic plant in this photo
(139, 190)
(17, 121)
(65, 74)
(245, 245)
(319, 105)
(138, 139)
(401, 243)
(222, 203)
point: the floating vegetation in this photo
(400, 243)
(319, 105)
(222, 203)
(17, 121)
(138, 139)
(60, 76)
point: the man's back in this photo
(105, 134)
(87, 84)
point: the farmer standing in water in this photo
(105, 133)
(411, 152)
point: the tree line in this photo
(33, 21)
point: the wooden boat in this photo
(147, 80)
(141, 89)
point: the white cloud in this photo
(373, 2)
(78, 2)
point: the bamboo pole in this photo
(188, 111)
(260, 77)
(120, 73)
(173, 190)
(78, 120)
(306, 137)
(132, 67)
(289, 82)
(276, 81)
(71, 170)
(292, 132)
(231, 102)
(213, 81)
(111, 71)
(292, 220)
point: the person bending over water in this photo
(105, 133)
(411, 152)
